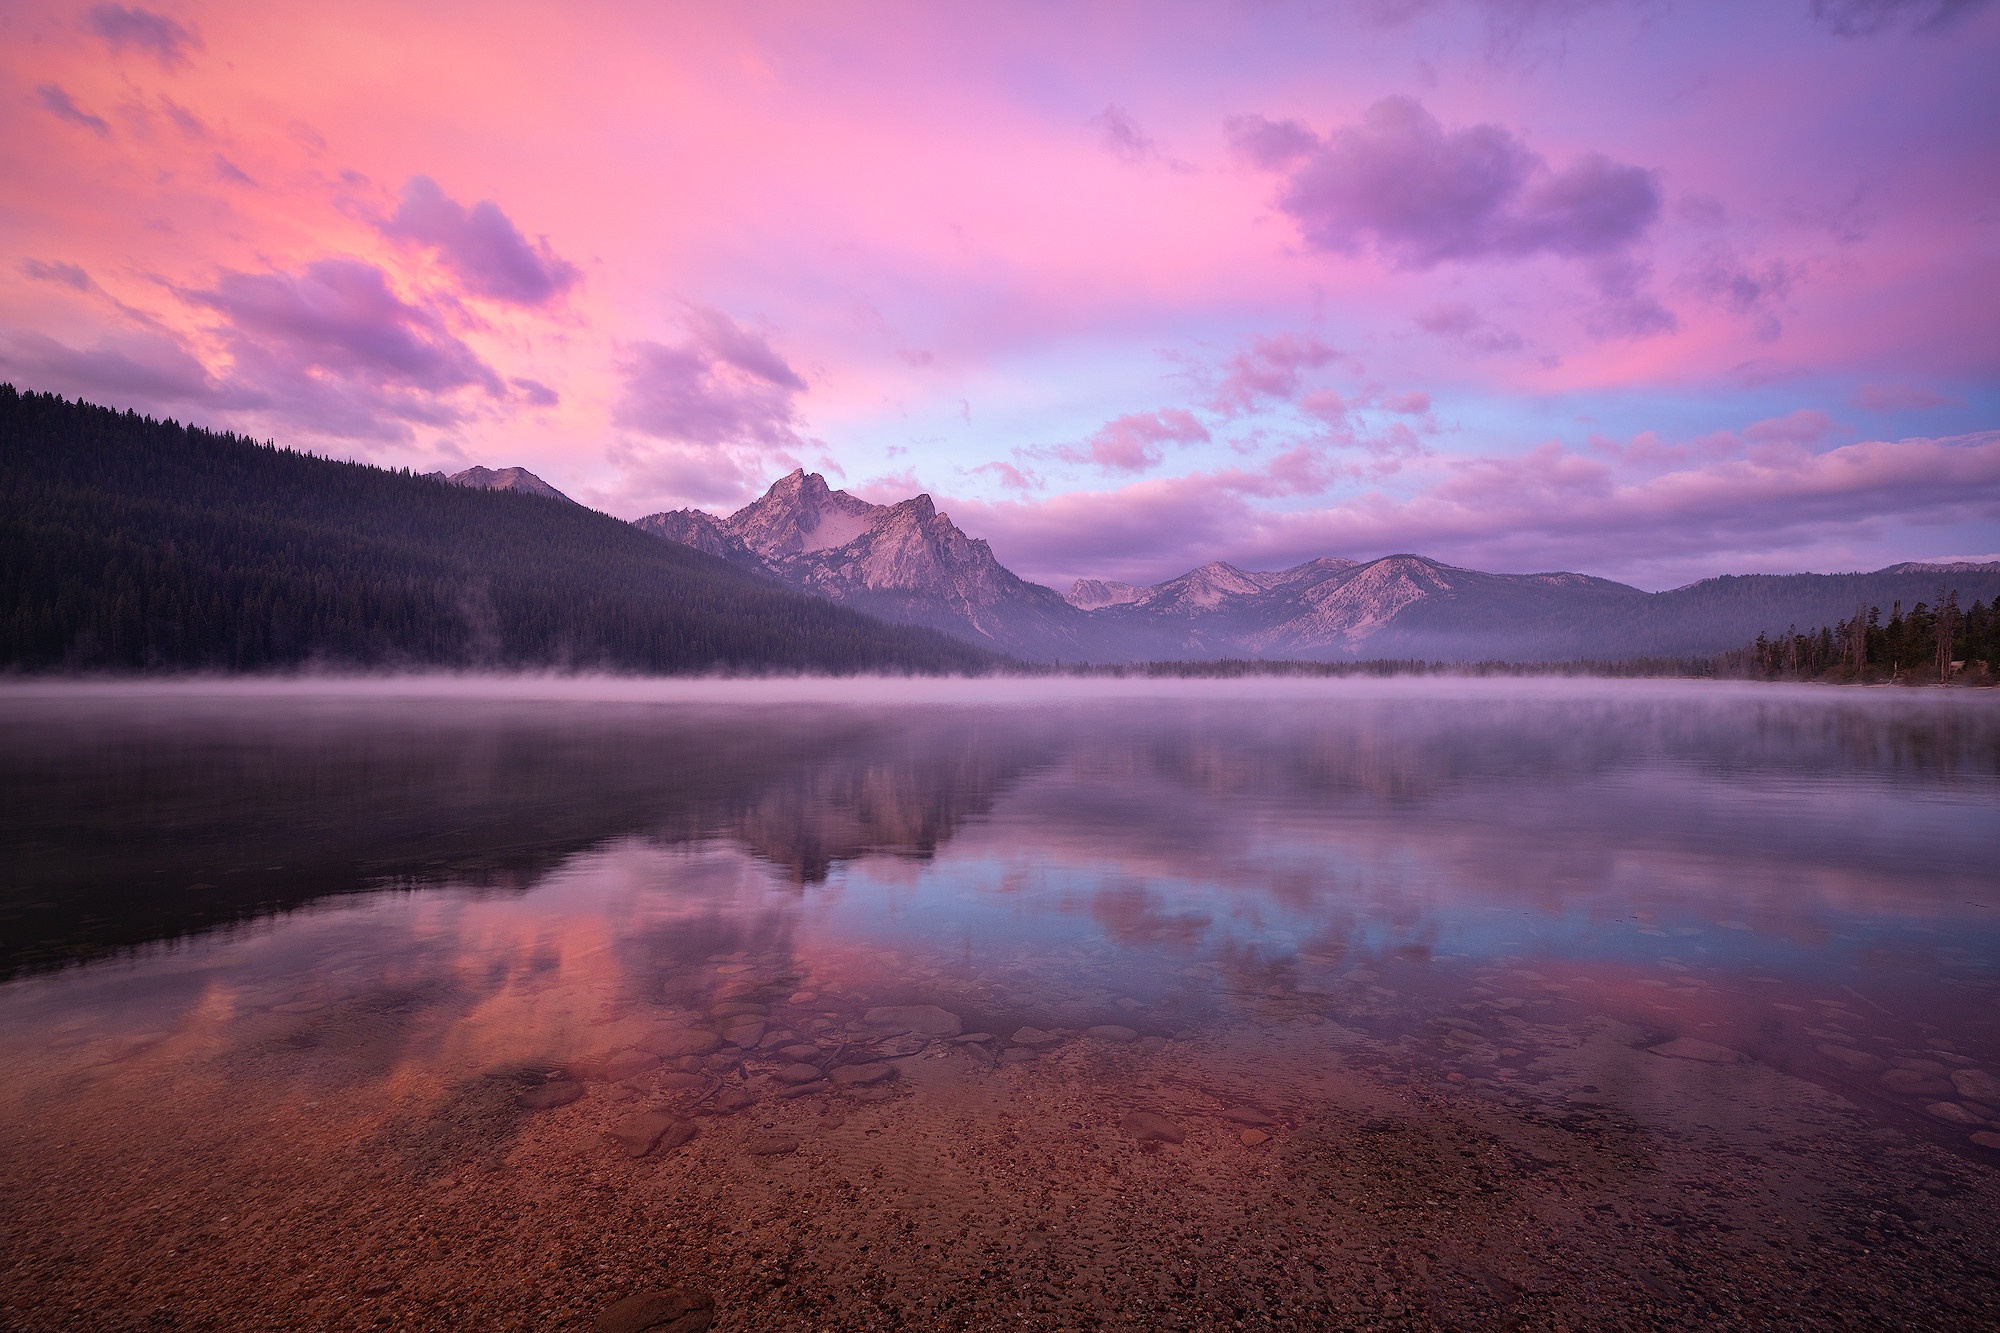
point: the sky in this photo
(1651, 289)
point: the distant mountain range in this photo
(133, 544)
(907, 562)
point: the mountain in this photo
(904, 562)
(1408, 606)
(133, 544)
(691, 527)
(502, 479)
(909, 563)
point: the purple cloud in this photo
(1270, 144)
(64, 108)
(1120, 137)
(151, 370)
(340, 317)
(480, 246)
(68, 275)
(534, 392)
(1271, 367)
(1899, 398)
(1744, 289)
(229, 171)
(332, 350)
(1131, 443)
(1422, 196)
(1864, 18)
(1467, 327)
(142, 30)
(1624, 309)
(723, 385)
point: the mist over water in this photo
(1536, 895)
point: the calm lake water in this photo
(407, 950)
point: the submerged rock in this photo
(1861, 1062)
(927, 1019)
(1957, 1113)
(1246, 1115)
(771, 1143)
(1149, 1127)
(671, 1041)
(1694, 1048)
(628, 1064)
(1914, 1084)
(798, 1073)
(1112, 1032)
(674, 1310)
(855, 1076)
(1037, 1038)
(744, 1032)
(549, 1095)
(1976, 1085)
(639, 1134)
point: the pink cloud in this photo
(1271, 367)
(1132, 442)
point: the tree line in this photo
(1931, 642)
(130, 544)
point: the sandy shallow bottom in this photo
(1323, 1178)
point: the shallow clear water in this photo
(419, 884)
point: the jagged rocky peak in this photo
(502, 479)
(800, 513)
(704, 532)
(1095, 594)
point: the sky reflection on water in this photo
(1790, 873)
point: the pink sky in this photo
(1653, 291)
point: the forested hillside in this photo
(1932, 641)
(133, 544)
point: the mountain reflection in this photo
(148, 818)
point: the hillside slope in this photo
(133, 544)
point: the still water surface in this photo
(359, 909)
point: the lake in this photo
(1405, 1003)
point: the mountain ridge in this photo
(908, 562)
(129, 544)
